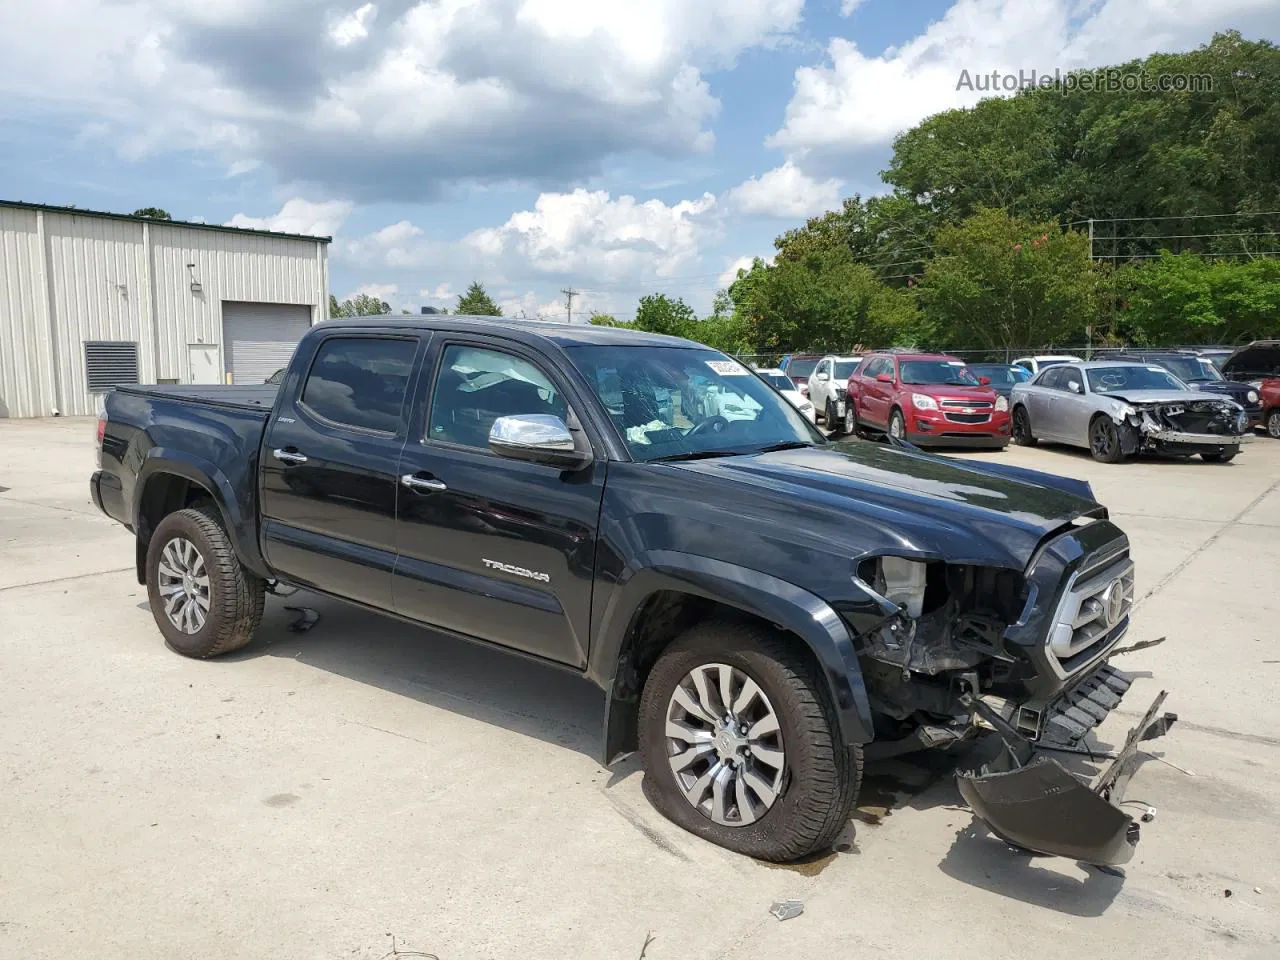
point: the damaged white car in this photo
(1117, 410)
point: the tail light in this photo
(102, 432)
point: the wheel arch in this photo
(172, 480)
(659, 602)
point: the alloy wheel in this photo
(184, 585)
(895, 426)
(1103, 438)
(1021, 425)
(724, 745)
(1273, 424)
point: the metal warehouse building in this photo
(90, 300)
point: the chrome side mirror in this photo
(1073, 387)
(537, 438)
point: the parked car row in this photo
(1178, 402)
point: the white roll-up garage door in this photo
(260, 337)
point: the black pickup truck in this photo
(763, 608)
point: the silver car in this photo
(1120, 409)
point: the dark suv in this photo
(1201, 374)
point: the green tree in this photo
(605, 320)
(999, 281)
(152, 213)
(361, 305)
(658, 313)
(1182, 298)
(824, 300)
(476, 302)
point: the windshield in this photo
(950, 372)
(779, 381)
(844, 370)
(801, 368)
(1001, 375)
(1190, 369)
(688, 401)
(1119, 379)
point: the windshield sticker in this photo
(727, 368)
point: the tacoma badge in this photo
(518, 571)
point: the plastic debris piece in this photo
(786, 909)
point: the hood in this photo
(1254, 361)
(942, 391)
(931, 505)
(1224, 388)
(1157, 396)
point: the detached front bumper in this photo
(1198, 439)
(1028, 799)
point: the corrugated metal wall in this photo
(26, 357)
(228, 267)
(98, 280)
(125, 280)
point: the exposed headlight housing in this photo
(1002, 404)
(923, 401)
(1252, 396)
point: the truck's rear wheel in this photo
(203, 600)
(741, 745)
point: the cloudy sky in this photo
(620, 147)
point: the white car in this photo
(1040, 361)
(828, 386)
(785, 386)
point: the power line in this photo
(1192, 216)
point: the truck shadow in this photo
(493, 687)
(483, 683)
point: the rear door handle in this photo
(288, 456)
(422, 483)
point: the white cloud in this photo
(241, 167)
(848, 6)
(299, 216)
(392, 106)
(379, 291)
(443, 293)
(354, 26)
(731, 272)
(854, 101)
(588, 233)
(786, 192)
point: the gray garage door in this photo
(260, 337)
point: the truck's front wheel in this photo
(740, 743)
(203, 600)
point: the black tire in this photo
(1022, 434)
(896, 418)
(1104, 440)
(235, 594)
(821, 775)
(1273, 424)
(1225, 455)
(829, 416)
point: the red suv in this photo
(926, 398)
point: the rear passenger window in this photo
(360, 381)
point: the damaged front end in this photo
(1185, 426)
(962, 650)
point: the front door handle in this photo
(422, 483)
(291, 457)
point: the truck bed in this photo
(257, 397)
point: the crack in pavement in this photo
(78, 576)
(1173, 574)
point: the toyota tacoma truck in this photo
(763, 608)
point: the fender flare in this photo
(790, 607)
(241, 530)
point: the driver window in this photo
(476, 386)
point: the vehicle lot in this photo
(317, 792)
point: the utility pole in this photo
(569, 294)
